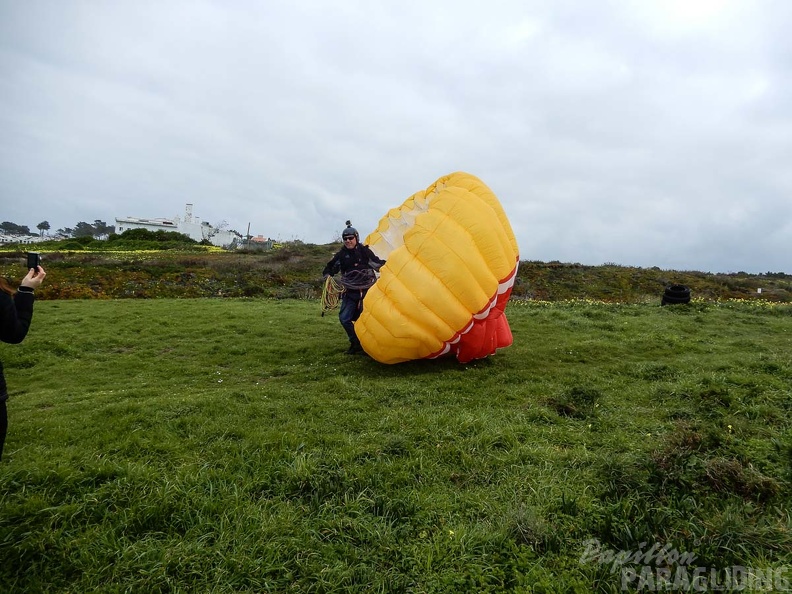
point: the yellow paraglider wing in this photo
(451, 263)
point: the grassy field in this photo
(200, 445)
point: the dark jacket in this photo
(16, 314)
(359, 257)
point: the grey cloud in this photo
(650, 133)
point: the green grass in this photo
(230, 446)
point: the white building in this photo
(190, 226)
(22, 238)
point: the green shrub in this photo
(72, 246)
(157, 236)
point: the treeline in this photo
(97, 229)
(131, 239)
(101, 236)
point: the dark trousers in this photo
(351, 307)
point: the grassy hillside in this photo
(208, 445)
(610, 282)
(294, 270)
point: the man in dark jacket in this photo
(357, 264)
(16, 313)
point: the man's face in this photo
(350, 242)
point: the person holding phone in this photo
(16, 313)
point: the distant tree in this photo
(43, 226)
(83, 229)
(65, 232)
(14, 229)
(99, 229)
(102, 229)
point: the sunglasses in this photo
(348, 238)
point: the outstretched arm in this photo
(374, 261)
(332, 267)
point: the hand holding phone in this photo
(33, 260)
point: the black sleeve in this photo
(333, 266)
(15, 316)
(375, 262)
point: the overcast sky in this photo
(634, 132)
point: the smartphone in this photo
(33, 260)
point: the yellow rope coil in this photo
(331, 294)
